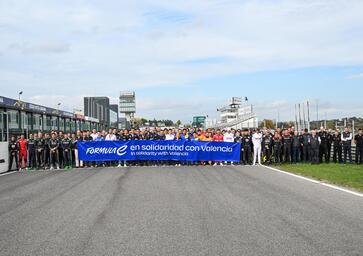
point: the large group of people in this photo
(59, 150)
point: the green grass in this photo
(350, 175)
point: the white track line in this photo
(316, 181)
(7, 173)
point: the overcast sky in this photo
(186, 58)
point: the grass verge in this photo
(349, 176)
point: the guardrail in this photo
(353, 153)
(4, 156)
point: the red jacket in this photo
(22, 145)
(218, 137)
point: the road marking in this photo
(316, 181)
(7, 173)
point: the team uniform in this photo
(286, 146)
(13, 154)
(347, 146)
(337, 148)
(359, 148)
(23, 153)
(277, 145)
(296, 146)
(40, 146)
(66, 145)
(32, 153)
(53, 145)
(314, 142)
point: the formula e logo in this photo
(122, 150)
(107, 150)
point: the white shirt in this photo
(169, 136)
(94, 136)
(347, 138)
(110, 137)
(228, 137)
(257, 139)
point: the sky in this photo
(185, 58)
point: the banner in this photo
(159, 150)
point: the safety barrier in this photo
(4, 156)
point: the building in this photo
(123, 124)
(114, 115)
(128, 104)
(99, 108)
(19, 117)
(234, 115)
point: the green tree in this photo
(269, 124)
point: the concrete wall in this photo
(4, 157)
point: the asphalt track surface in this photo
(175, 211)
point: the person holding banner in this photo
(228, 137)
(257, 141)
(218, 137)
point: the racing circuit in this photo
(229, 210)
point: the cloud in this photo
(156, 42)
(355, 76)
(92, 48)
(41, 47)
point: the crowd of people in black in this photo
(59, 150)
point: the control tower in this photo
(127, 104)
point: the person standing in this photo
(286, 144)
(67, 147)
(60, 137)
(23, 152)
(257, 142)
(337, 147)
(53, 145)
(218, 137)
(305, 146)
(75, 139)
(228, 137)
(358, 140)
(296, 144)
(13, 153)
(39, 148)
(277, 145)
(246, 147)
(347, 144)
(329, 138)
(46, 151)
(95, 135)
(109, 137)
(323, 150)
(267, 146)
(169, 135)
(31, 150)
(314, 142)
